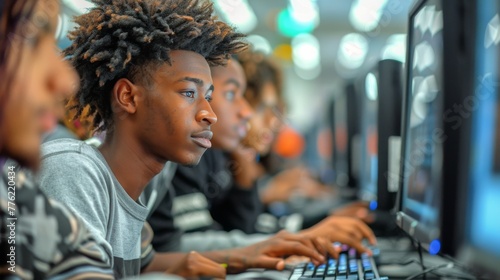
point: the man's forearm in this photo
(234, 259)
(162, 261)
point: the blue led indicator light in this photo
(434, 247)
(373, 205)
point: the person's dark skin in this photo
(173, 111)
(231, 107)
(170, 120)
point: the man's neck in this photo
(132, 166)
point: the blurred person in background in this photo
(265, 95)
(40, 238)
(280, 184)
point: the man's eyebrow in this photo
(197, 81)
(234, 82)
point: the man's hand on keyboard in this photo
(357, 209)
(194, 265)
(346, 230)
(269, 253)
(321, 244)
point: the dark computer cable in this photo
(436, 273)
(451, 264)
(464, 267)
(421, 258)
(429, 270)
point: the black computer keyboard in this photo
(349, 265)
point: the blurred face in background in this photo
(266, 121)
(232, 109)
(39, 80)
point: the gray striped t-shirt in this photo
(78, 175)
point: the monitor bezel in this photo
(348, 190)
(387, 127)
(389, 78)
(363, 100)
(456, 61)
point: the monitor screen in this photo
(483, 227)
(423, 156)
(369, 139)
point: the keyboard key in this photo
(301, 265)
(308, 273)
(349, 266)
(319, 274)
(344, 248)
(352, 253)
(320, 271)
(369, 275)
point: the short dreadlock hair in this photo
(123, 38)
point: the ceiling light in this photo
(238, 13)
(352, 50)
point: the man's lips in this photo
(202, 138)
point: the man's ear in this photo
(124, 96)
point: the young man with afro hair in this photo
(145, 80)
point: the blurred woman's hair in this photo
(15, 15)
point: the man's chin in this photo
(191, 162)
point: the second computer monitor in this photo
(346, 127)
(381, 102)
(437, 71)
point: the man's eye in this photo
(230, 95)
(208, 98)
(189, 94)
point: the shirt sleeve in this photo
(42, 239)
(84, 192)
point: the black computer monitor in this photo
(368, 92)
(346, 126)
(480, 169)
(381, 102)
(438, 67)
